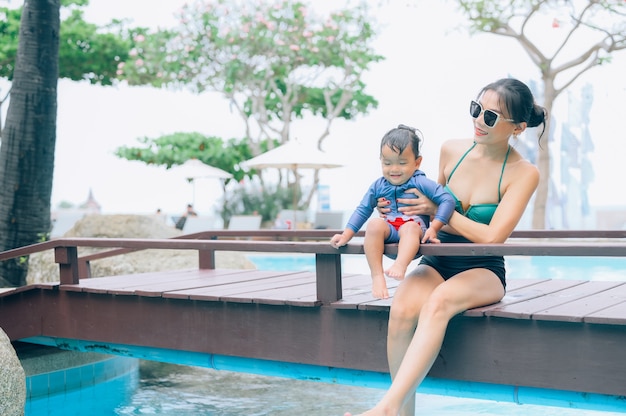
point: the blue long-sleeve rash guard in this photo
(382, 188)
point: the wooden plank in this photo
(279, 296)
(202, 281)
(10, 291)
(360, 295)
(597, 296)
(123, 281)
(522, 303)
(127, 284)
(614, 315)
(380, 305)
(245, 287)
(514, 284)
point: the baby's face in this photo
(398, 168)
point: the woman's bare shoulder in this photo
(523, 168)
(454, 143)
(454, 146)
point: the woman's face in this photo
(503, 127)
(398, 167)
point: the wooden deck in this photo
(554, 334)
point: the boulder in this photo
(12, 380)
(42, 268)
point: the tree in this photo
(27, 151)
(36, 48)
(588, 32)
(175, 149)
(273, 61)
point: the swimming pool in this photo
(518, 267)
(167, 389)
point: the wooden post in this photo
(328, 277)
(67, 257)
(206, 259)
(84, 269)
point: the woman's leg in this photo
(376, 233)
(408, 300)
(467, 290)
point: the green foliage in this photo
(9, 32)
(87, 54)
(275, 59)
(86, 51)
(177, 148)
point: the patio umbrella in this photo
(293, 155)
(194, 169)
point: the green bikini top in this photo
(481, 213)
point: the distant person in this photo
(190, 211)
(180, 222)
(400, 161)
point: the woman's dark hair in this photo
(518, 100)
(401, 137)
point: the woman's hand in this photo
(413, 206)
(417, 206)
(383, 206)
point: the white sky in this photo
(429, 75)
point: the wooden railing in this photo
(327, 259)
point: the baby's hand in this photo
(339, 240)
(430, 236)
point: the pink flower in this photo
(139, 62)
(139, 38)
(133, 52)
(294, 47)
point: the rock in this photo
(42, 268)
(12, 380)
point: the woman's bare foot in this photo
(396, 271)
(373, 412)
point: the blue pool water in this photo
(518, 267)
(167, 389)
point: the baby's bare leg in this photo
(375, 234)
(410, 237)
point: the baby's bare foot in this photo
(396, 271)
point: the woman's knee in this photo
(438, 305)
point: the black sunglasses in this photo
(489, 116)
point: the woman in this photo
(492, 184)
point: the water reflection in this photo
(167, 389)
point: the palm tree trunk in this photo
(29, 137)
